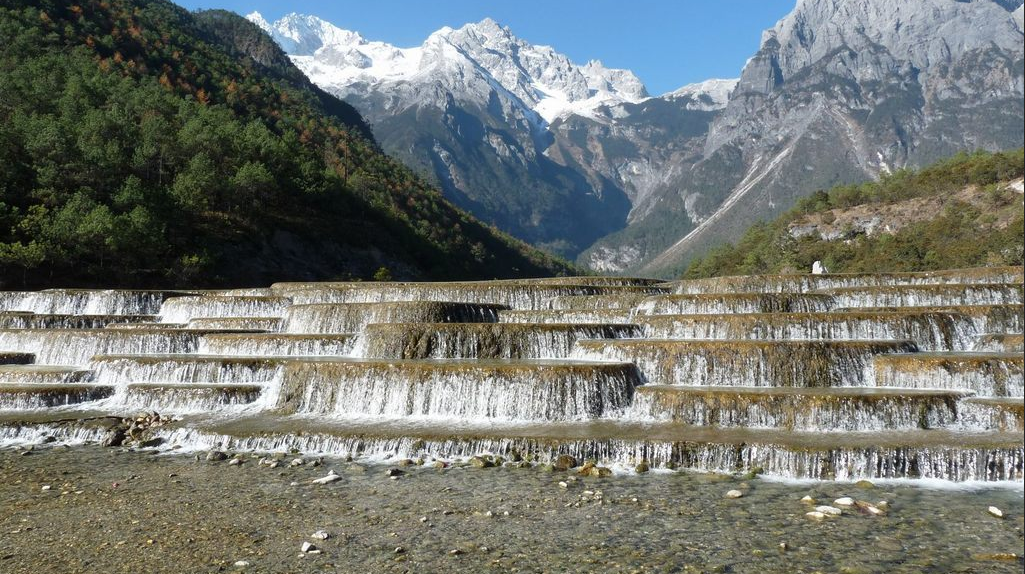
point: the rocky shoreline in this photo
(93, 509)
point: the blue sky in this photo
(667, 43)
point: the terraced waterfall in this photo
(816, 376)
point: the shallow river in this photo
(112, 510)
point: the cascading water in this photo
(746, 363)
(722, 304)
(484, 341)
(87, 302)
(827, 377)
(930, 330)
(513, 390)
(331, 318)
(276, 344)
(927, 295)
(77, 347)
(184, 309)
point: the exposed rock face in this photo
(579, 160)
(846, 90)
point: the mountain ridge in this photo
(627, 182)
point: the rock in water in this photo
(114, 437)
(734, 494)
(818, 268)
(829, 510)
(564, 462)
(216, 455)
(481, 462)
(995, 511)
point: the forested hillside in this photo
(963, 212)
(144, 145)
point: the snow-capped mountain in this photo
(580, 160)
(544, 80)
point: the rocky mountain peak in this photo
(470, 61)
(303, 35)
(923, 33)
(708, 95)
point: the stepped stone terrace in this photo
(896, 375)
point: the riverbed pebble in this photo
(995, 511)
(829, 510)
(734, 494)
(331, 477)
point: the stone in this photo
(332, 476)
(995, 511)
(307, 547)
(241, 563)
(320, 535)
(46, 487)
(481, 462)
(564, 462)
(599, 471)
(114, 437)
(297, 462)
(844, 501)
(394, 472)
(829, 510)
(642, 467)
(734, 494)
(216, 456)
(753, 473)
(235, 462)
(815, 515)
(399, 550)
(864, 484)
(152, 443)
(807, 499)
(868, 508)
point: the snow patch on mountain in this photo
(706, 96)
